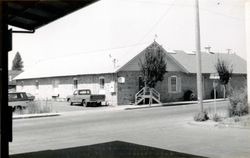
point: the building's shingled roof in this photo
(101, 62)
(188, 61)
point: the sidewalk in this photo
(110, 109)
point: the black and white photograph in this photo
(125, 78)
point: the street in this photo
(161, 127)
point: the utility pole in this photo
(247, 23)
(198, 55)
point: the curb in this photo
(216, 124)
(144, 107)
(171, 104)
(204, 124)
(35, 115)
(223, 125)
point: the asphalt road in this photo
(161, 127)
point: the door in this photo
(73, 99)
(141, 83)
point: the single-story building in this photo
(116, 73)
(12, 83)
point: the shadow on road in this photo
(115, 149)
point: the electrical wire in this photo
(158, 21)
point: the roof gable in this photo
(133, 64)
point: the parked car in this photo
(18, 100)
(30, 96)
(84, 97)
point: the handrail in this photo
(145, 93)
(139, 91)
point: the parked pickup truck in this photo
(84, 97)
(18, 100)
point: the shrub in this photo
(236, 119)
(201, 116)
(216, 118)
(189, 95)
(238, 105)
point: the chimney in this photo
(208, 48)
(228, 51)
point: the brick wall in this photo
(127, 90)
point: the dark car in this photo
(18, 100)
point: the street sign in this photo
(214, 76)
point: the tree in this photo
(225, 73)
(17, 63)
(154, 65)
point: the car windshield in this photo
(28, 95)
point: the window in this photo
(75, 83)
(75, 92)
(141, 83)
(10, 78)
(84, 92)
(13, 96)
(22, 83)
(37, 85)
(102, 82)
(174, 84)
(55, 84)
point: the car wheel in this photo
(70, 102)
(84, 104)
(18, 108)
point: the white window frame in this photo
(178, 84)
(170, 84)
(102, 86)
(55, 83)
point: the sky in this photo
(115, 24)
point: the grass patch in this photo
(236, 121)
(201, 116)
(35, 107)
(216, 117)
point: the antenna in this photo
(114, 61)
(155, 37)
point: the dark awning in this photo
(31, 15)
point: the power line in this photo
(96, 51)
(158, 21)
(221, 14)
